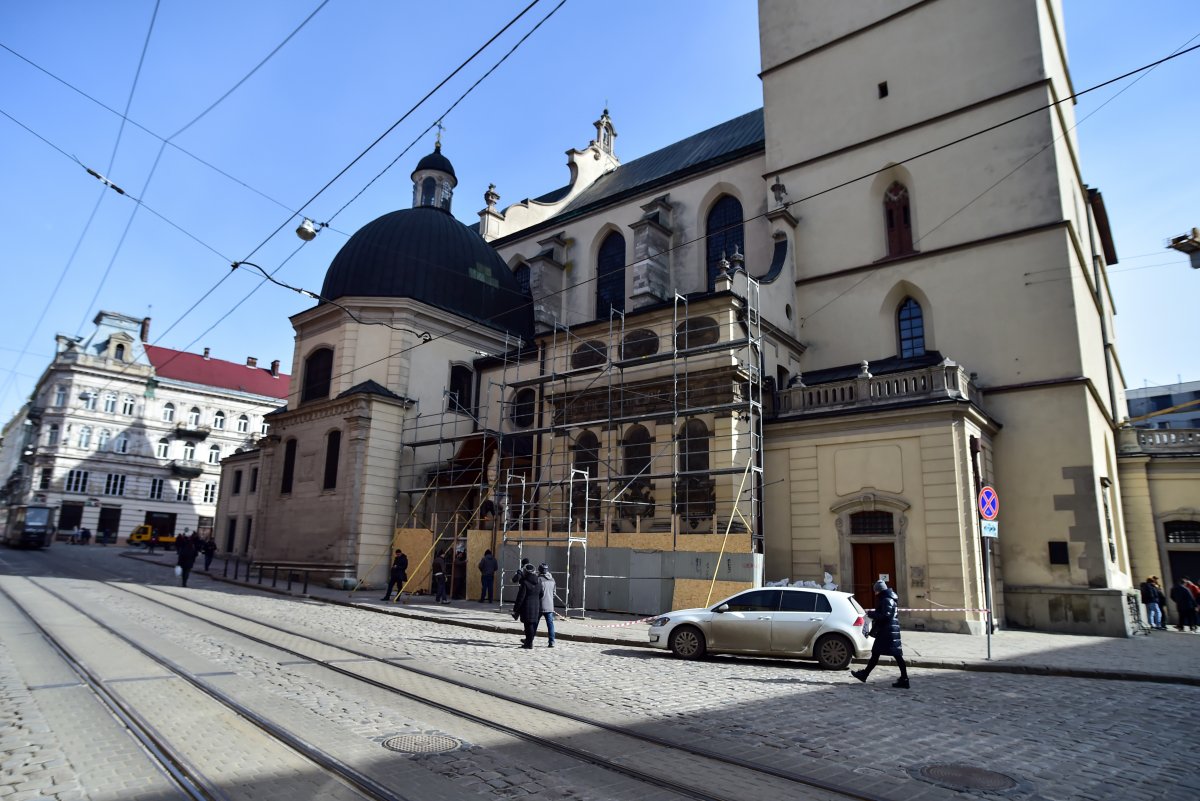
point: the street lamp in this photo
(308, 230)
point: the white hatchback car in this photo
(790, 622)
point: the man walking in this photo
(885, 628)
(1185, 605)
(547, 586)
(528, 606)
(439, 579)
(487, 574)
(397, 575)
(1150, 595)
(185, 548)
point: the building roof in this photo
(426, 255)
(436, 161)
(196, 369)
(740, 137)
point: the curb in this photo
(939, 664)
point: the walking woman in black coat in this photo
(885, 628)
(528, 606)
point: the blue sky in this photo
(665, 70)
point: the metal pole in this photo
(985, 545)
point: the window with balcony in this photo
(193, 418)
(189, 451)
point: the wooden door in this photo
(871, 560)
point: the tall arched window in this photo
(163, 449)
(693, 447)
(119, 353)
(522, 275)
(910, 324)
(333, 449)
(898, 218)
(85, 436)
(243, 424)
(102, 439)
(169, 413)
(585, 495)
(289, 467)
(724, 233)
(214, 454)
(695, 498)
(637, 453)
(219, 421)
(610, 275)
(428, 191)
(110, 402)
(461, 380)
(318, 374)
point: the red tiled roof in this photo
(194, 368)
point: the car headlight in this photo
(660, 621)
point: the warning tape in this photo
(937, 609)
(607, 625)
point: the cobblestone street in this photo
(1059, 737)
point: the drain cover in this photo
(421, 743)
(965, 777)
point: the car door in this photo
(801, 615)
(746, 624)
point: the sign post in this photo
(989, 530)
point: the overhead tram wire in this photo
(112, 159)
(162, 148)
(392, 127)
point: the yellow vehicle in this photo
(141, 536)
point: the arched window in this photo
(243, 424)
(587, 454)
(219, 421)
(522, 276)
(585, 495)
(428, 191)
(85, 436)
(214, 454)
(724, 233)
(110, 402)
(910, 323)
(693, 447)
(194, 417)
(523, 406)
(637, 453)
(169, 413)
(460, 389)
(333, 449)
(898, 219)
(127, 405)
(121, 444)
(163, 449)
(102, 439)
(610, 275)
(318, 373)
(289, 467)
(189, 451)
(119, 353)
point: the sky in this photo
(227, 122)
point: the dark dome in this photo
(436, 161)
(427, 255)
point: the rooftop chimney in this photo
(275, 369)
(206, 353)
(145, 329)
(251, 361)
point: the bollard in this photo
(260, 574)
(274, 576)
(306, 582)
(225, 572)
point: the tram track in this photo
(699, 761)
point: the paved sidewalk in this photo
(1162, 656)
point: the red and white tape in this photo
(937, 609)
(607, 625)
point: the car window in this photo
(755, 601)
(799, 601)
(822, 603)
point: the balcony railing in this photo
(186, 468)
(185, 430)
(940, 381)
(1159, 440)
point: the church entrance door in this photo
(872, 560)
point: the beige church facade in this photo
(793, 346)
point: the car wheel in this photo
(834, 652)
(687, 642)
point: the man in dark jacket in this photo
(885, 628)
(487, 575)
(439, 578)
(185, 548)
(398, 574)
(1185, 605)
(1150, 595)
(528, 606)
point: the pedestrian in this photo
(885, 628)
(153, 541)
(185, 551)
(439, 579)
(397, 575)
(1162, 601)
(528, 606)
(487, 576)
(1185, 604)
(209, 549)
(85, 535)
(547, 587)
(459, 585)
(73, 537)
(516, 579)
(1150, 600)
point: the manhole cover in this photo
(421, 743)
(966, 777)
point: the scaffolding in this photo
(577, 436)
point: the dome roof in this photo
(436, 161)
(427, 255)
